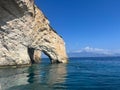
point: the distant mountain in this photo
(87, 54)
(92, 52)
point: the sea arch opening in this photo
(44, 58)
(37, 55)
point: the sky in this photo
(85, 23)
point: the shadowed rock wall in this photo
(25, 32)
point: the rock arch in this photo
(25, 32)
(35, 55)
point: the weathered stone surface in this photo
(25, 32)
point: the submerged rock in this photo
(25, 32)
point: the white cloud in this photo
(90, 49)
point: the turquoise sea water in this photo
(78, 74)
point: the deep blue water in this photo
(78, 74)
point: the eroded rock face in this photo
(25, 33)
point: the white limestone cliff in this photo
(25, 32)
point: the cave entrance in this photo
(38, 56)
